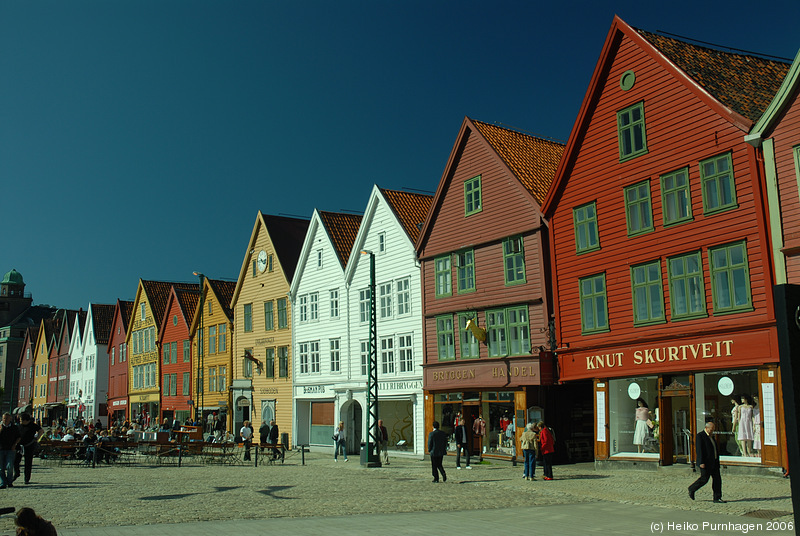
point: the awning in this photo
(53, 404)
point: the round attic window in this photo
(175, 320)
(627, 80)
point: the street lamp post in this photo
(200, 389)
(369, 458)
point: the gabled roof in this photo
(342, 230)
(286, 236)
(125, 309)
(187, 300)
(224, 291)
(532, 160)
(31, 336)
(158, 293)
(711, 75)
(102, 318)
(743, 82)
(782, 100)
(411, 210)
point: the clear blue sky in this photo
(140, 138)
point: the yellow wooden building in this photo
(41, 374)
(144, 395)
(211, 332)
(262, 382)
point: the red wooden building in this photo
(118, 363)
(176, 354)
(661, 253)
(484, 262)
(59, 367)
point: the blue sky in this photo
(140, 138)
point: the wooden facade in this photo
(688, 354)
(41, 375)
(118, 362)
(27, 358)
(175, 345)
(262, 342)
(484, 260)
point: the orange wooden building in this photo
(661, 254)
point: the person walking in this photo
(263, 434)
(528, 445)
(462, 443)
(29, 437)
(383, 442)
(247, 434)
(9, 439)
(707, 455)
(273, 439)
(548, 447)
(339, 442)
(437, 447)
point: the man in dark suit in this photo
(708, 460)
(437, 447)
(273, 438)
(462, 442)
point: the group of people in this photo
(381, 443)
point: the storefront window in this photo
(445, 408)
(498, 412)
(730, 398)
(633, 417)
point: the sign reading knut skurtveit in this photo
(723, 351)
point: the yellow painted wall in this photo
(40, 374)
(216, 318)
(141, 358)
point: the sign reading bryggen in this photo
(730, 350)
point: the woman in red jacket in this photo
(547, 442)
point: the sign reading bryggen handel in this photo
(730, 350)
(494, 373)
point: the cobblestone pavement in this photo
(75, 497)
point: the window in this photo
(283, 362)
(496, 335)
(594, 306)
(314, 355)
(648, 295)
(212, 337)
(403, 297)
(247, 364)
(730, 279)
(313, 306)
(200, 380)
(319, 258)
(165, 353)
(187, 352)
(335, 356)
(676, 197)
(385, 294)
(222, 333)
(255, 271)
(719, 189)
(248, 317)
(283, 321)
(187, 382)
(519, 337)
(363, 305)
(334, 300)
(364, 353)
(269, 321)
(142, 316)
(638, 212)
(514, 260)
(173, 347)
(586, 235)
(123, 351)
(200, 343)
(387, 355)
(222, 379)
(470, 347)
(212, 378)
(173, 388)
(687, 294)
(113, 351)
(472, 196)
(269, 263)
(444, 335)
(631, 132)
(382, 243)
(302, 308)
(210, 308)
(465, 270)
(442, 267)
(406, 349)
(270, 363)
(302, 353)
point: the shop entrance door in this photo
(471, 413)
(676, 426)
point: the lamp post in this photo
(200, 389)
(368, 456)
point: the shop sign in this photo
(490, 374)
(264, 341)
(739, 349)
(242, 403)
(399, 386)
(313, 389)
(268, 391)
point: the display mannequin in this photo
(756, 425)
(479, 429)
(745, 435)
(735, 425)
(640, 423)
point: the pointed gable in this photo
(102, 318)
(342, 230)
(224, 293)
(287, 236)
(411, 210)
(157, 293)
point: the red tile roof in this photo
(157, 293)
(411, 210)
(744, 83)
(342, 228)
(102, 318)
(187, 301)
(533, 160)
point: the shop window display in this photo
(498, 411)
(633, 417)
(445, 408)
(731, 399)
